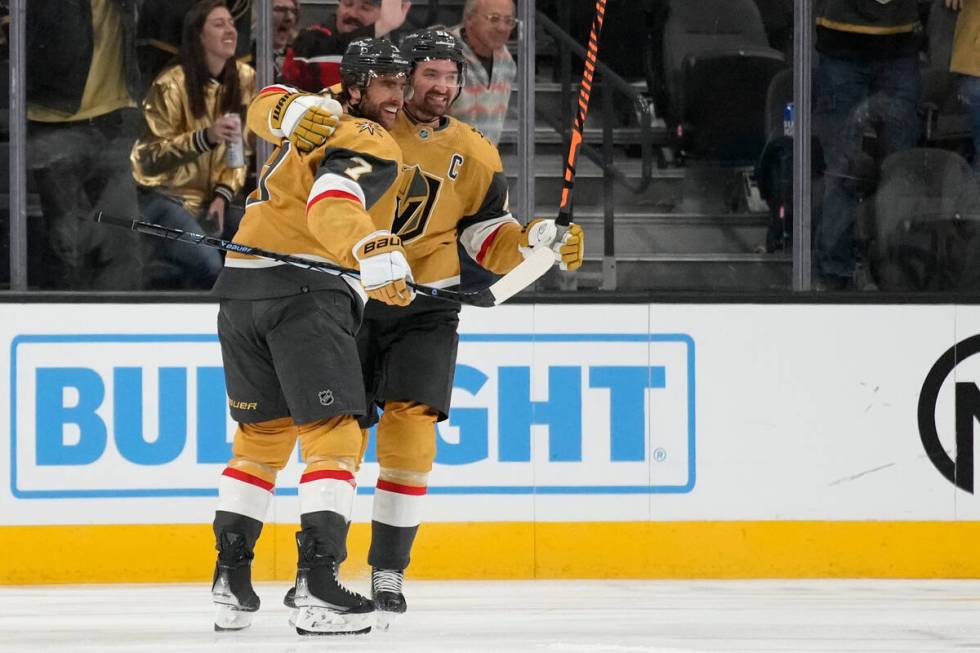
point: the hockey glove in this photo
(384, 268)
(570, 250)
(306, 120)
(537, 232)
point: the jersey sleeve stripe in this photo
(478, 237)
(485, 247)
(334, 185)
(336, 194)
(278, 88)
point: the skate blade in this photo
(314, 620)
(385, 620)
(230, 618)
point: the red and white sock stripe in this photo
(327, 489)
(244, 494)
(398, 505)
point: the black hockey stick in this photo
(585, 92)
(496, 294)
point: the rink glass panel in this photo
(705, 205)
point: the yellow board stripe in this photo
(665, 550)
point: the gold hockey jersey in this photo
(317, 205)
(457, 190)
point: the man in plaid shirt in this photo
(490, 69)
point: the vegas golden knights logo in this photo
(415, 203)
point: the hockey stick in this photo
(534, 266)
(584, 93)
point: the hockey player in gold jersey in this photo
(287, 338)
(457, 193)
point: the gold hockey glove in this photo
(306, 120)
(384, 268)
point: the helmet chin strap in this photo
(419, 121)
(355, 109)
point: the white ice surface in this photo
(548, 616)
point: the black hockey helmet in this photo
(366, 57)
(431, 44)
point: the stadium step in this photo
(678, 234)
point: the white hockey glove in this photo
(305, 120)
(569, 251)
(384, 268)
(537, 232)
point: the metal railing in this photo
(609, 83)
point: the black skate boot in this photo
(231, 589)
(325, 606)
(386, 592)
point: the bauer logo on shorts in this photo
(325, 397)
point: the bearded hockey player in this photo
(290, 358)
(457, 192)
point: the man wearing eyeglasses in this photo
(490, 70)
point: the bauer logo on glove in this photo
(385, 273)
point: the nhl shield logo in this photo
(326, 397)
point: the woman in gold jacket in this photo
(182, 164)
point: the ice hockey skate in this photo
(290, 602)
(386, 592)
(231, 590)
(325, 606)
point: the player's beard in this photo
(377, 113)
(430, 106)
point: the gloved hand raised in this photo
(305, 120)
(384, 268)
(569, 250)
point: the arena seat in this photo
(926, 233)
(947, 119)
(718, 65)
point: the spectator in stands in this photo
(82, 87)
(315, 61)
(867, 75)
(4, 30)
(160, 28)
(285, 28)
(966, 62)
(193, 115)
(490, 70)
